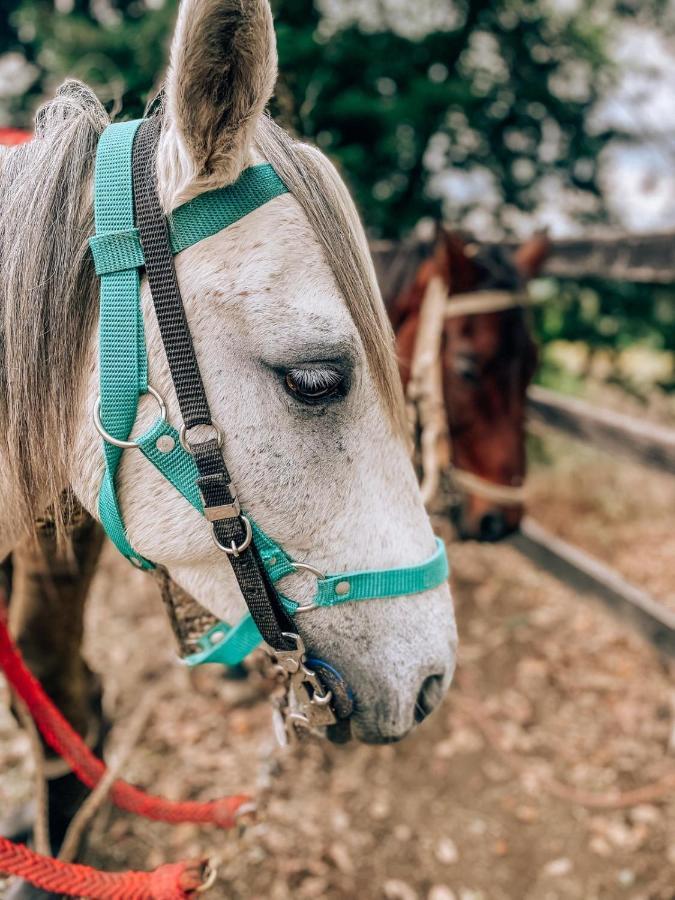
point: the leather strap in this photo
(214, 479)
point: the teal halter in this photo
(118, 257)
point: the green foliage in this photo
(503, 89)
(500, 92)
(608, 322)
(606, 314)
(120, 57)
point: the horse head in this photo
(488, 360)
(297, 360)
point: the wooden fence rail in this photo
(586, 574)
(644, 258)
(630, 437)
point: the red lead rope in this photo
(170, 882)
(176, 881)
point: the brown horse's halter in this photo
(424, 393)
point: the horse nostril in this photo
(492, 526)
(428, 697)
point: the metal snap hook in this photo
(209, 877)
(124, 445)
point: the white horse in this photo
(295, 352)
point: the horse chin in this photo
(374, 740)
(343, 733)
(340, 732)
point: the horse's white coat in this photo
(332, 484)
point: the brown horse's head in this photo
(488, 361)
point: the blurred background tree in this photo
(488, 113)
(403, 96)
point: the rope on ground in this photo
(41, 824)
(176, 881)
(127, 742)
(62, 738)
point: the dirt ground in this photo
(547, 774)
(620, 512)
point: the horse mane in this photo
(47, 291)
(48, 287)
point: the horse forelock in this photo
(333, 217)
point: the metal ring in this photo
(322, 699)
(108, 438)
(187, 446)
(233, 549)
(307, 568)
(320, 576)
(210, 874)
(307, 608)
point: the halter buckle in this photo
(224, 511)
(234, 549)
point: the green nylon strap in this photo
(176, 465)
(122, 359)
(226, 644)
(230, 645)
(209, 213)
(415, 579)
(195, 220)
(117, 258)
(116, 251)
(123, 378)
(179, 468)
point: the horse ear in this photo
(531, 256)
(221, 75)
(441, 254)
(449, 253)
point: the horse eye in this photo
(315, 385)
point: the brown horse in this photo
(488, 360)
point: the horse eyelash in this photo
(324, 383)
